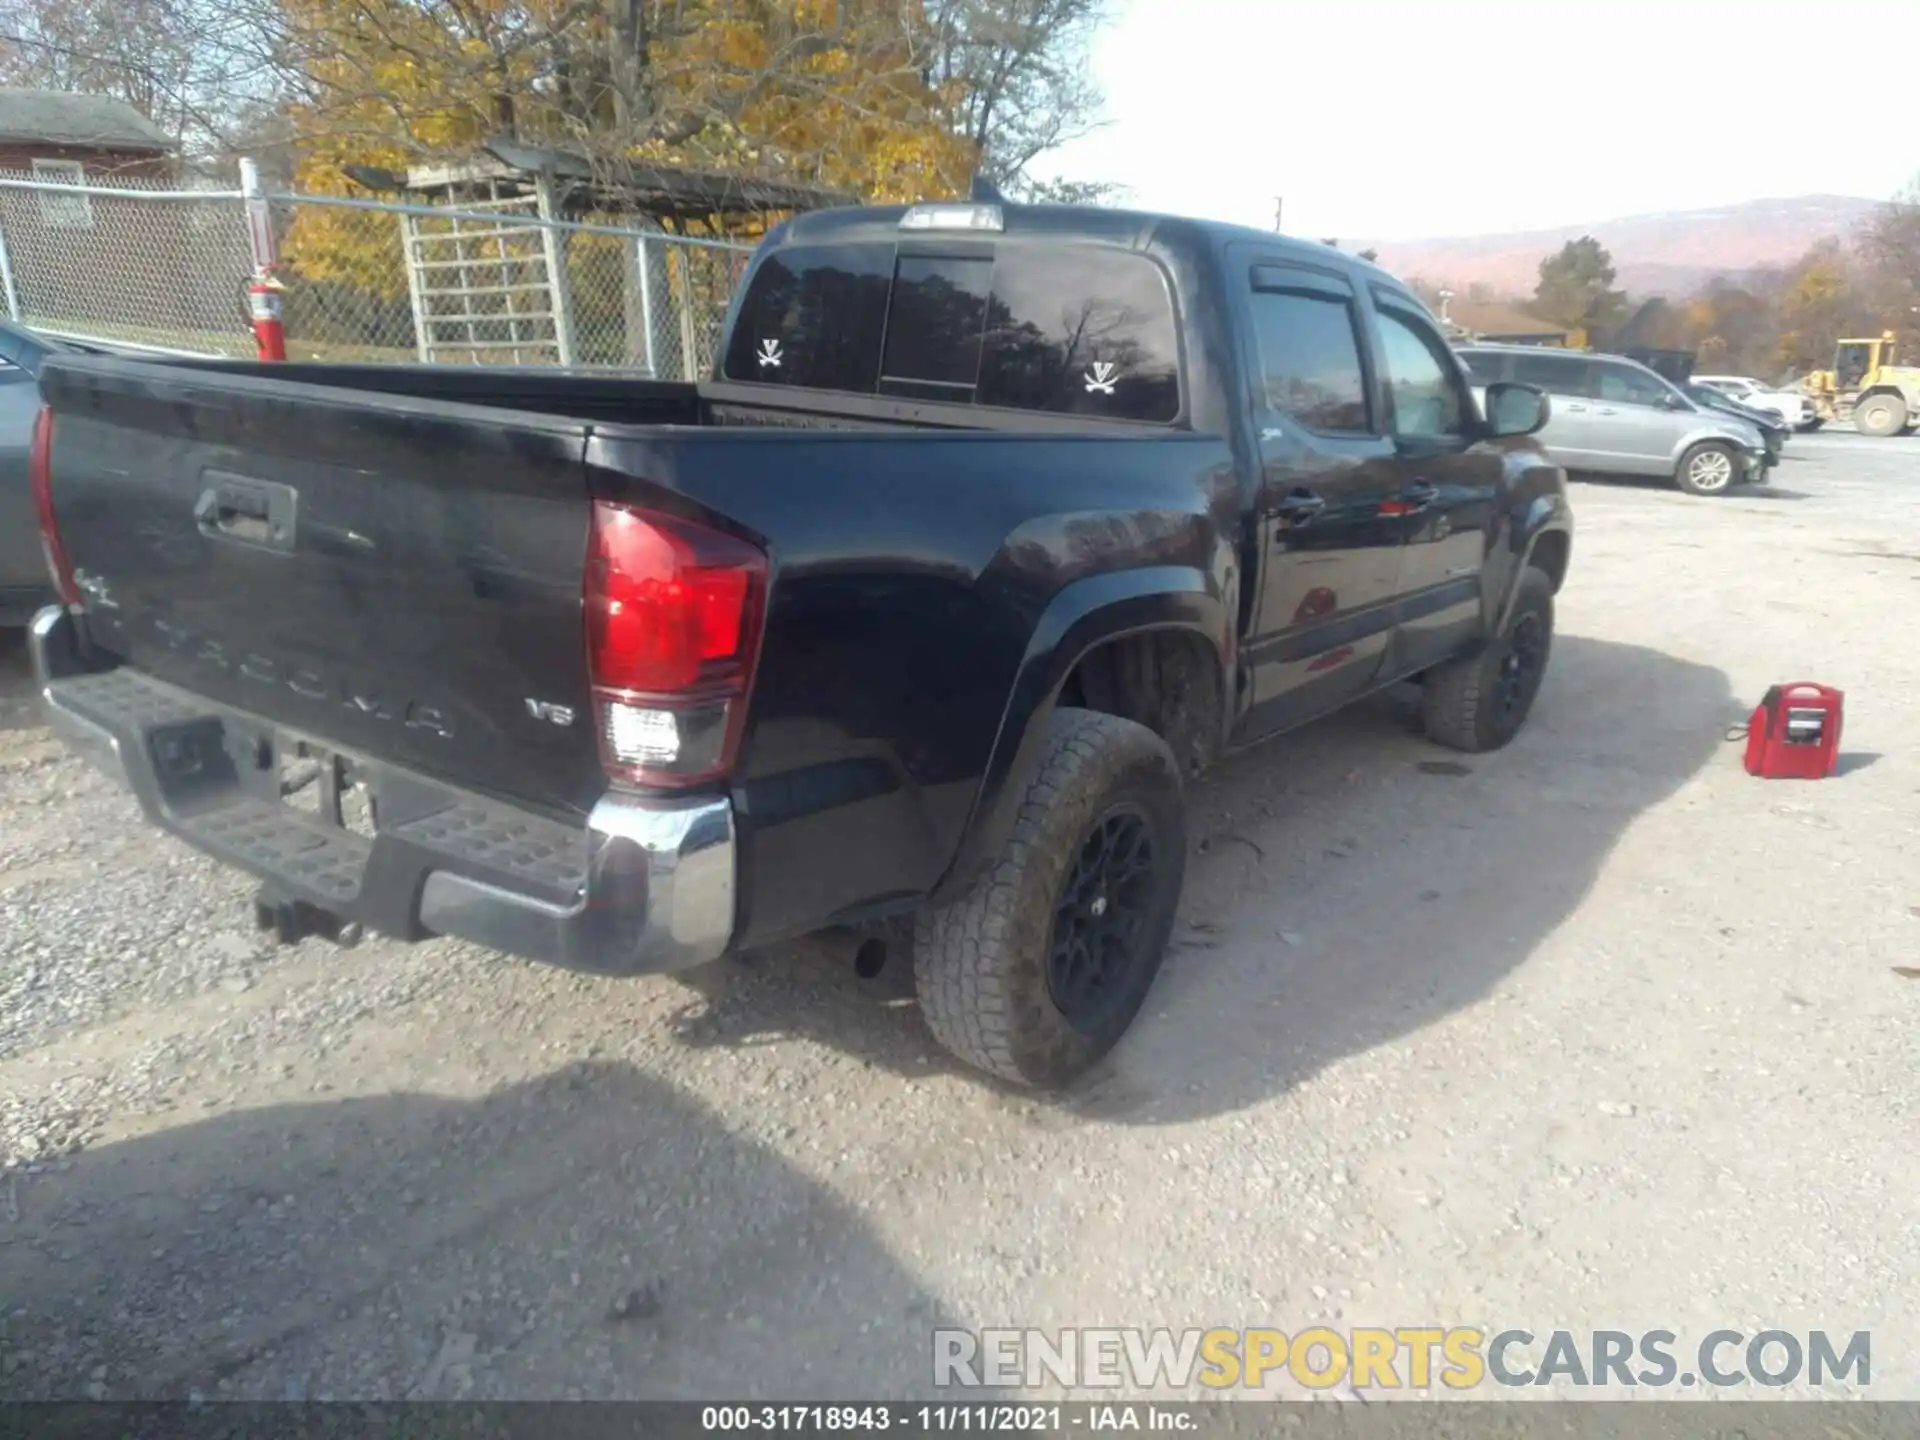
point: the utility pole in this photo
(1277, 203)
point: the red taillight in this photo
(673, 626)
(40, 478)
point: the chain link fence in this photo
(492, 283)
(133, 263)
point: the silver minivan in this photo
(1615, 416)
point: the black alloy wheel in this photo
(1101, 918)
(1521, 667)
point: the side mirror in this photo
(1515, 409)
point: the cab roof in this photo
(1086, 224)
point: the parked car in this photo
(994, 523)
(1615, 416)
(1773, 430)
(1791, 406)
(24, 583)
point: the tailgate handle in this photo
(253, 513)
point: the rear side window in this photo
(1555, 374)
(814, 318)
(1310, 360)
(1063, 330)
(1081, 332)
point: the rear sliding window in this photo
(1064, 330)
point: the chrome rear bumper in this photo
(645, 885)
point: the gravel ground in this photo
(1595, 1032)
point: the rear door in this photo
(1328, 482)
(393, 577)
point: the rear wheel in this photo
(1709, 468)
(1039, 970)
(1880, 416)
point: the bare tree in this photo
(1888, 254)
(1021, 71)
(190, 66)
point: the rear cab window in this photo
(1053, 328)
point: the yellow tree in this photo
(1813, 312)
(828, 91)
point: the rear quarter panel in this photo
(926, 588)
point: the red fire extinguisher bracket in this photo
(1794, 733)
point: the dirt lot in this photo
(1595, 1032)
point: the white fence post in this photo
(557, 280)
(6, 278)
(260, 236)
(643, 267)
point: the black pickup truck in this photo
(993, 523)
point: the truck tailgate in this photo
(396, 580)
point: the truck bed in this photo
(388, 562)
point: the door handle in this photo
(1570, 407)
(1297, 506)
(1607, 410)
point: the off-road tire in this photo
(1459, 700)
(1880, 416)
(1685, 476)
(981, 963)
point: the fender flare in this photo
(1083, 616)
(1546, 513)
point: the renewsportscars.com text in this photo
(1406, 1357)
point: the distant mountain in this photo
(1675, 253)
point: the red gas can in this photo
(1795, 732)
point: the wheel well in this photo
(1166, 680)
(1550, 554)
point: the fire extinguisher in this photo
(264, 315)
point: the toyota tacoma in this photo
(992, 525)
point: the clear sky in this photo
(1397, 119)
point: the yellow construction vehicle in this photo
(1868, 386)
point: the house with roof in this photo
(63, 137)
(1502, 324)
(60, 247)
